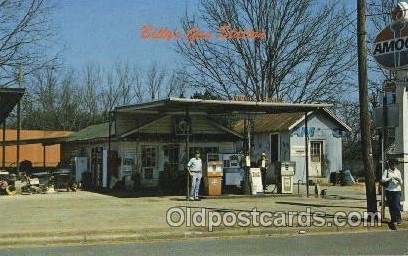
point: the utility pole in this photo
(3, 164)
(20, 80)
(364, 116)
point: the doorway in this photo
(275, 149)
(316, 155)
(149, 165)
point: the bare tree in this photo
(54, 102)
(24, 31)
(304, 57)
(177, 83)
(68, 108)
(110, 93)
(139, 89)
(68, 100)
(154, 81)
(120, 87)
(125, 80)
(92, 81)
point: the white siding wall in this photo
(224, 147)
(290, 142)
(332, 146)
(261, 144)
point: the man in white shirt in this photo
(195, 168)
(392, 181)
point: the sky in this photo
(106, 32)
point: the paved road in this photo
(392, 242)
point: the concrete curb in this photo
(114, 236)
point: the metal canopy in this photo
(215, 107)
(9, 97)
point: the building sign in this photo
(182, 125)
(298, 151)
(316, 132)
(300, 132)
(391, 44)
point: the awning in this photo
(214, 107)
(9, 97)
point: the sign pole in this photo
(391, 52)
(307, 155)
(382, 171)
(401, 133)
(188, 154)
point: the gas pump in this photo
(285, 173)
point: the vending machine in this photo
(81, 166)
(232, 171)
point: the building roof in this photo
(171, 105)
(93, 132)
(31, 148)
(271, 122)
(331, 116)
(9, 97)
(34, 136)
(164, 124)
(285, 122)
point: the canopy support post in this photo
(307, 155)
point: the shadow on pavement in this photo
(337, 197)
(320, 205)
(135, 194)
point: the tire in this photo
(11, 190)
(3, 184)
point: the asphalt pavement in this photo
(369, 243)
(86, 217)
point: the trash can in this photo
(213, 178)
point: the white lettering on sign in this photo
(390, 46)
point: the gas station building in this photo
(157, 138)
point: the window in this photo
(203, 151)
(391, 135)
(389, 98)
(171, 154)
(315, 151)
(148, 173)
(149, 157)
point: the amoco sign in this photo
(391, 44)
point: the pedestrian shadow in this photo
(338, 197)
(179, 199)
(320, 205)
(154, 193)
(391, 226)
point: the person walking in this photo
(263, 165)
(391, 180)
(195, 168)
